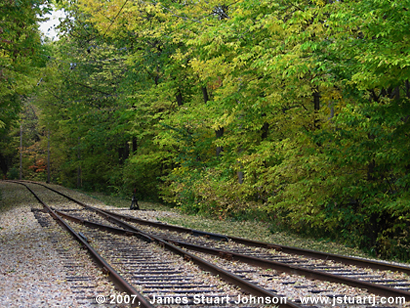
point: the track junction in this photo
(160, 265)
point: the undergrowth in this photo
(241, 225)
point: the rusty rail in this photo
(281, 267)
(291, 269)
(116, 278)
(286, 249)
(227, 276)
(377, 289)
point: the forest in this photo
(294, 112)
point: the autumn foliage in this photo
(39, 166)
(296, 112)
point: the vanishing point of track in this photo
(150, 260)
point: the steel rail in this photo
(381, 290)
(291, 269)
(96, 225)
(286, 249)
(263, 263)
(142, 221)
(116, 278)
(205, 265)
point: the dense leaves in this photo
(292, 111)
(21, 55)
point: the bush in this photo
(13, 174)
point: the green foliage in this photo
(21, 56)
(141, 173)
(13, 174)
(297, 113)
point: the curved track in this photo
(160, 275)
(194, 245)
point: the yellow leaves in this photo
(274, 26)
(210, 68)
(112, 17)
(320, 3)
(225, 120)
(196, 64)
(331, 94)
(180, 170)
(99, 13)
(238, 63)
(150, 9)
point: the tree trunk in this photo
(205, 94)
(179, 98)
(79, 184)
(240, 177)
(134, 144)
(265, 130)
(48, 156)
(332, 110)
(21, 152)
(370, 171)
(3, 164)
(219, 133)
(316, 104)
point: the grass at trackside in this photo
(15, 195)
(254, 230)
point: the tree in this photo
(297, 111)
(21, 54)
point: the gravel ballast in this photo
(32, 275)
(34, 269)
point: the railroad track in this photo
(81, 281)
(262, 270)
